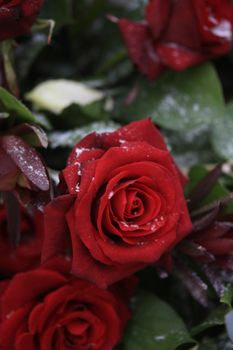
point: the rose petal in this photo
(55, 225)
(157, 15)
(141, 47)
(177, 57)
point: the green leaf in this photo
(227, 297)
(76, 115)
(219, 342)
(215, 319)
(10, 104)
(155, 326)
(69, 138)
(222, 134)
(208, 344)
(178, 100)
(190, 147)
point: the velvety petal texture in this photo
(27, 253)
(17, 17)
(178, 34)
(47, 308)
(124, 206)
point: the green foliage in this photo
(222, 134)
(214, 319)
(68, 138)
(76, 115)
(155, 326)
(12, 106)
(178, 100)
(188, 106)
(227, 297)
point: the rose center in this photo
(78, 334)
(134, 205)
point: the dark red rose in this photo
(215, 243)
(27, 253)
(178, 34)
(51, 310)
(124, 208)
(17, 17)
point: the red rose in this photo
(178, 34)
(27, 254)
(215, 243)
(17, 17)
(48, 309)
(125, 205)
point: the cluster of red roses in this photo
(119, 206)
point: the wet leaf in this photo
(27, 160)
(227, 297)
(12, 106)
(194, 284)
(222, 134)
(215, 319)
(193, 98)
(32, 134)
(155, 325)
(70, 137)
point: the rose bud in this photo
(26, 254)
(47, 308)
(123, 207)
(17, 17)
(215, 243)
(178, 34)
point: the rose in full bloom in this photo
(178, 34)
(17, 17)
(215, 243)
(48, 309)
(123, 207)
(27, 253)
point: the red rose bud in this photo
(27, 253)
(47, 308)
(178, 34)
(215, 243)
(17, 17)
(124, 207)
